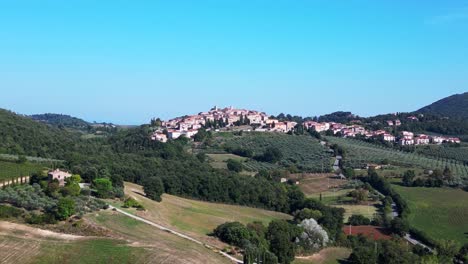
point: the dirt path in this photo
(13, 229)
(176, 233)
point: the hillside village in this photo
(228, 117)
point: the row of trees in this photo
(436, 179)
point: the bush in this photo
(39, 219)
(358, 220)
(132, 203)
(103, 187)
(30, 197)
(9, 211)
(233, 233)
(234, 165)
(307, 213)
(271, 155)
(86, 204)
(65, 208)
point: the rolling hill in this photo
(24, 136)
(61, 120)
(455, 106)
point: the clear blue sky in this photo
(127, 61)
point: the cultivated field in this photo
(326, 256)
(368, 211)
(312, 184)
(372, 232)
(158, 246)
(9, 170)
(126, 241)
(359, 153)
(24, 244)
(196, 218)
(457, 152)
(441, 213)
(304, 152)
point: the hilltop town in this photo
(229, 117)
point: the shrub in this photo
(233, 233)
(9, 211)
(357, 220)
(65, 208)
(103, 187)
(39, 219)
(234, 165)
(30, 197)
(132, 203)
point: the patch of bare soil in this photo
(24, 231)
(312, 183)
(80, 227)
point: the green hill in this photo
(61, 120)
(23, 136)
(455, 106)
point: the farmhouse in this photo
(406, 141)
(388, 137)
(408, 134)
(158, 136)
(59, 175)
(421, 140)
(437, 140)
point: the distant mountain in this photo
(61, 120)
(455, 106)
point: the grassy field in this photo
(218, 161)
(439, 212)
(314, 184)
(159, 246)
(304, 152)
(359, 153)
(333, 196)
(10, 170)
(24, 244)
(91, 251)
(368, 211)
(127, 241)
(326, 256)
(196, 218)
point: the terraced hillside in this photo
(359, 153)
(304, 152)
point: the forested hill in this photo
(455, 106)
(22, 135)
(130, 155)
(61, 120)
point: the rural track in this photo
(160, 227)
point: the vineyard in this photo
(359, 153)
(439, 212)
(443, 151)
(10, 170)
(304, 152)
